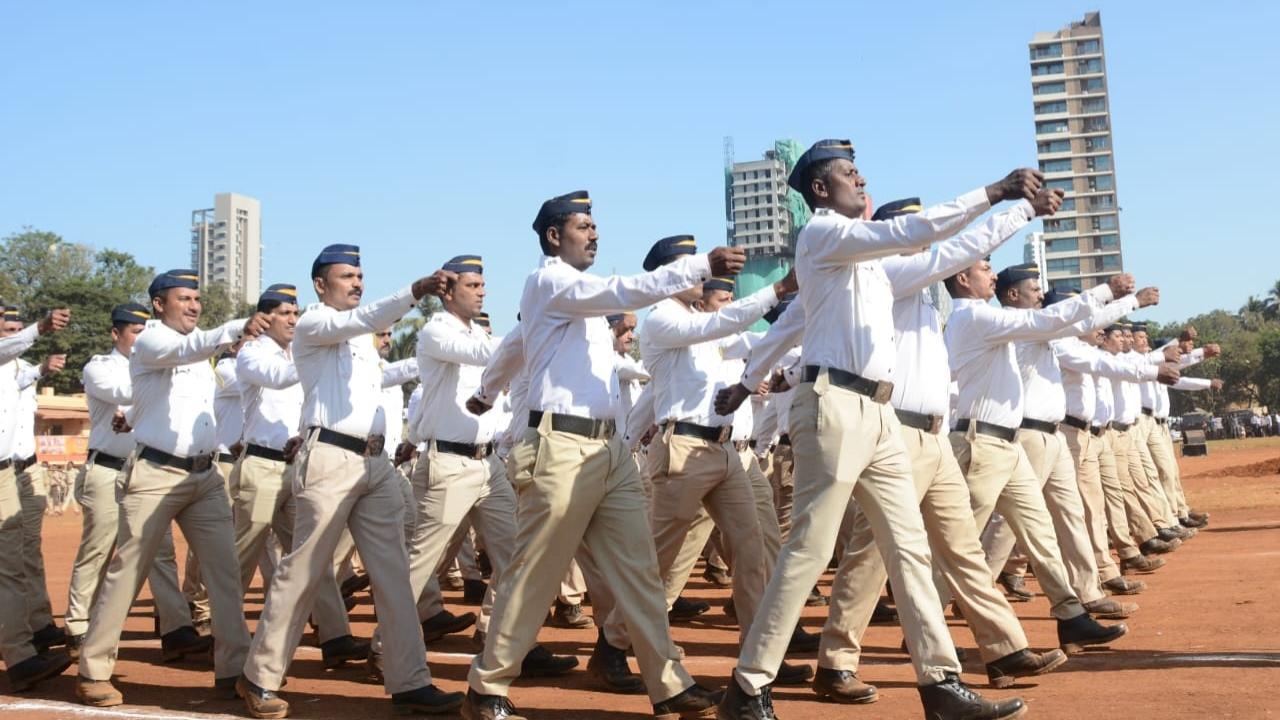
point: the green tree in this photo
(32, 259)
(217, 306)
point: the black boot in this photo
(339, 650)
(803, 641)
(25, 675)
(738, 705)
(793, 674)
(694, 702)
(182, 642)
(1083, 630)
(48, 636)
(608, 664)
(683, 609)
(444, 623)
(843, 686)
(952, 699)
(473, 590)
(884, 614)
(427, 699)
(539, 662)
(1015, 589)
(488, 707)
(1003, 672)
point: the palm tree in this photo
(1272, 301)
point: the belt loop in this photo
(544, 424)
(822, 382)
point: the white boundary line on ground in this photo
(64, 709)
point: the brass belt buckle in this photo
(884, 391)
(935, 424)
(373, 446)
(726, 432)
(201, 463)
(479, 451)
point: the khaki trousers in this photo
(957, 558)
(690, 474)
(1001, 478)
(153, 497)
(335, 489)
(192, 584)
(1151, 491)
(1140, 525)
(33, 491)
(1053, 464)
(1117, 510)
(846, 445)
(95, 490)
(451, 494)
(573, 588)
(782, 477)
(1160, 445)
(695, 542)
(575, 491)
(264, 503)
(15, 633)
(1085, 451)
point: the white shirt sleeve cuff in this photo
(977, 199)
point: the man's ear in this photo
(553, 237)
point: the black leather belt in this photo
(1148, 411)
(264, 452)
(198, 463)
(784, 439)
(1122, 427)
(876, 390)
(226, 458)
(100, 458)
(920, 421)
(1079, 424)
(584, 426)
(986, 428)
(471, 450)
(704, 432)
(20, 466)
(1042, 426)
(1160, 421)
(752, 443)
(351, 443)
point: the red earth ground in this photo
(1205, 644)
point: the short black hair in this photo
(269, 304)
(950, 284)
(555, 221)
(820, 170)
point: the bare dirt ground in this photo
(1206, 643)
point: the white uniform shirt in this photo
(1079, 363)
(451, 360)
(339, 367)
(270, 395)
(567, 341)
(1128, 396)
(680, 348)
(631, 378)
(980, 341)
(843, 283)
(393, 376)
(108, 388)
(227, 409)
(24, 429)
(10, 348)
(173, 387)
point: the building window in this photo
(1110, 262)
(1097, 143)
(1049, 127)
(1101, 182)
(1063, 245)
(1063, 184)
(1092, 105)
(1100, 163)
(1068, 265)
(1102, 202)
(1053, 146)
(1059, 106)
(1050, 88)
(1095, 124)
(1105, 222)
(1050, 166)
(1068, 205)
(1089, 66)
(1109, 241)
(1092, 85)
(1046, 51)
(1087, 47)
(1047, 69)
(1059, 225)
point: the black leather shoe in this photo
(816, 598)
(48, 636)
(1082, 630)
(226, 687)
(262, 703)
(354, 584)
(444, 623)
(884, 614)
(473, 590)
(428, 699)
(339, 650)
(1189, 522)
(683, 609)
(608, 664)
(539, 662)
(952, 699)
(1118, 585)
(793, 674)
(738, 705)
(1003, 672)
(1156, 546)
(695, 702)
(25, 675)
(488, 707)
(803, 641)
(184, 641)
(843, 686)
(1015, 589)
(1169, 534)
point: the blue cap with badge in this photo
(719, 283)
(280, 292)
(189, 279)
(465, 264)
(337, 254)
(131, 313)
(822, 150)
(891, 210)
(575, 202)
(1015, 274)
(668, 249)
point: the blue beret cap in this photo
(1058, 295)
(719, 283)
(574, 202)
(130, 313)
(465, 264)
(891, 210)
(821, 150)
(1016, 274)
(336, 255)
(280, 292)
(612, 319)
(1140, 327)
(174, 279)
(772, 316)
(667, 249)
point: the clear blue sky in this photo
(421, 130)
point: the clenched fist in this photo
(1122, 284)
(56, 320)
(1047, 201)
(256, 325)
(437, 283)
(731, 398)
(727, 261)
(1021, 184)
(1148, 296)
